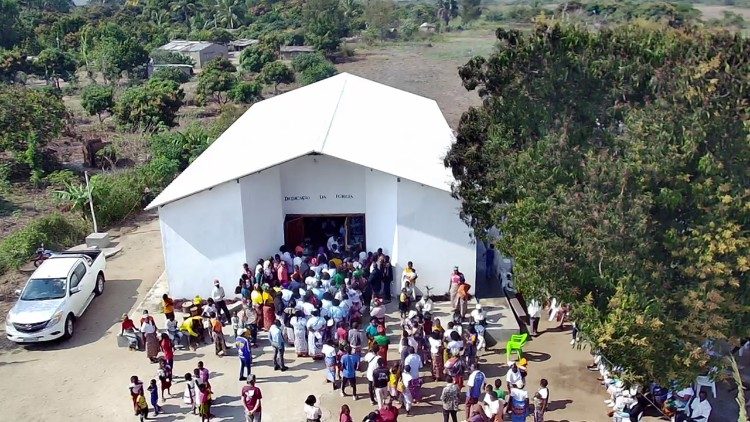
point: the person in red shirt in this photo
(168, 349)
(251, 397)
(389, 412)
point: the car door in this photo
(78, 295)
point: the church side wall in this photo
(433, 236)
(264, 219)
(203, 239)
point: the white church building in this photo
(347, 152)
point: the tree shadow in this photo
(558, 404)
(285, 379)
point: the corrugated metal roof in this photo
(184, 46)
(294, 48)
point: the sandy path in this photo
(78, 379)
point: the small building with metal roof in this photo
(200, 51)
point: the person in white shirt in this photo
(541, 398)
(492, 405)
(535, 313)
(371, 358)
(312, 412)
(414, 362)
(513, 376)
(698, 410)
(218, 295)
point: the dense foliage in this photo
(216, 79)
(616, 163)
(97, 99)
(28, 113)
(55, 231)
(149, 106)
(277, 73)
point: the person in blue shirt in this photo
(243, 351)
(276, 336)
(349, 364)
(475, 383)
(154, 391)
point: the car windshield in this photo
(44, 289)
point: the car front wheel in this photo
(69, 327)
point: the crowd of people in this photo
(331, 308)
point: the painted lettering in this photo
(344, 196)
(296, 198)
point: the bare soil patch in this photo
(426, 69)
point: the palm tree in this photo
(185, 9)
(225, 14)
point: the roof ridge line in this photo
(333, 116)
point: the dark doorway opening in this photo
(315, 231)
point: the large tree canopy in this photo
(616, 164)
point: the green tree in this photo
(116, 52)
(55, 64)
(246, 92)
(171, 73)
(225, 14)
(11, 63)
(217, 78)
(381, 16)
(303, 61)
(325, 24)
(28, 114)
(10, 25)
(447, 10)
(150, 106)
(616, 164)
(253, 58)
(470, 10)
(277, 73)
(97, 99)
(170, 57)
(317, 72)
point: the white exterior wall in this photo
(212, 233)
(319, 184)
(264, 219)
(380, 219)
(432, 235)
(203, 239)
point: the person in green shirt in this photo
(499, 389)
(338, 279)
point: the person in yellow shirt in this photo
(167, 305)
(189, 326)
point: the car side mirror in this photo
(74, 290)
(17, 292)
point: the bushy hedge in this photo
(119, 195)
(56, 231)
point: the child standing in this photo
(154, 392)
(165, 377)
(188, 397)
(204, 398)
(403, 303)
(142, 406)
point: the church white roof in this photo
(344, 116)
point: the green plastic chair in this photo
(515, 344)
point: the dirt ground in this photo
(426, 69)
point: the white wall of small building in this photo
(263, 217)
(432, 235)
(203, 239)
(212, 233)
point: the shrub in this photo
(216, 78)
(246, 92)
(181, 147)
(61, 178)
(171, 74)
(56, 231)
(253, 58)
(317, 72)
(277, 73)
(96, 99)
(151, 105)
(303, 61)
